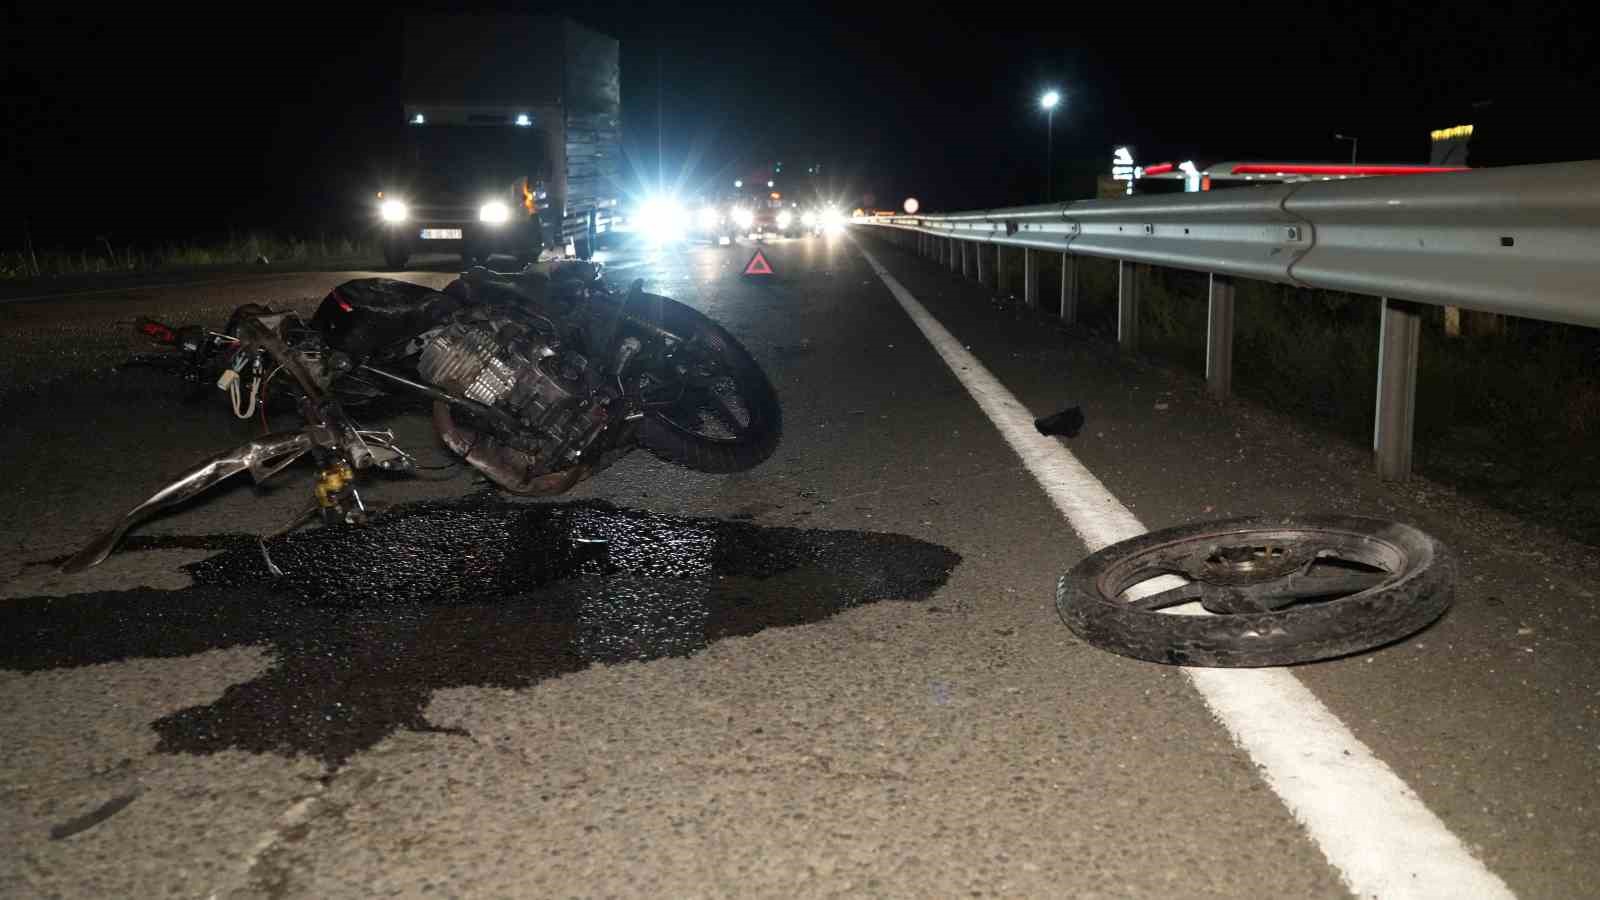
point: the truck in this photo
(510, 140)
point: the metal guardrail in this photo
(1523, 241)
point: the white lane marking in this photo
(1371, 826)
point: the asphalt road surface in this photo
(841, 673)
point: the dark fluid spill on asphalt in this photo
(368, 622)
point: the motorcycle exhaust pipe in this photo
(512, 469)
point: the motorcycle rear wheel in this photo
(721, 414)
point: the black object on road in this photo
(1280, 590)
(1066, 423)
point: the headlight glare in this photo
(663, 219)
(494, 213)
(744, 217)
(784, 218)
(394, 211)
(808, 219)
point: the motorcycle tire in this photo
(674, 436)
(1405, 580)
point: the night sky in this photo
(145, 125)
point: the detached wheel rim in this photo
(1258, 591)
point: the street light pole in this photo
(1354, 142)
(1049, 101)
(1050, 155)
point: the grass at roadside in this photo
(110, 256)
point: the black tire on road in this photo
(1403, 578)
(670, 434)
(395, 254)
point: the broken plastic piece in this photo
(1066, 423)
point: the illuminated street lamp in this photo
(1050, 101)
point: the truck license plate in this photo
(441, 234)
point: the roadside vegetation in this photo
(110, 255)
(1509, 411)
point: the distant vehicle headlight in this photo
(394, 211)
(744, 217)
(663, 219)
(808, 219)
(494, 212)
(784, 218)
(833, 219)
(708, 218)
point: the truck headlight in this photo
(784, 218)
(394, 211)
(744, 218)
(494, 213)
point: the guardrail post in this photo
(1127, 304)
(1219, 337)
(1395, 421)
(983, 274)
(1000, 268)
(953, 252)
(1069, 288)
(966, 258)
(1030, 277)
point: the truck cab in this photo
(472, 181)
(510, 142)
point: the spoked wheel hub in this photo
(1258, 591)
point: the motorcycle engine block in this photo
(500, 362)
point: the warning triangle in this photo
(758, 265)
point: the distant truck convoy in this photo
(509, 143)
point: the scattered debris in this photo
(1066, 423)
(93, 817)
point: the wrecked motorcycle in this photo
(538, 380)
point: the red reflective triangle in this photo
(758, 265)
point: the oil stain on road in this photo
(367, 623)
